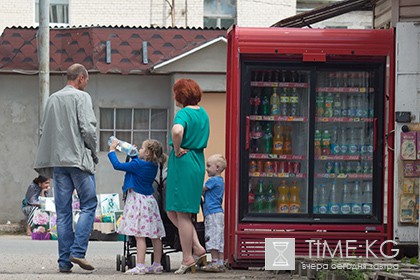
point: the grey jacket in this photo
(68, 133)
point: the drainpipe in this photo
(43, 56)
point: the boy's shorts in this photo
(214, 226)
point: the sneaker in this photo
(155, 269)
(136, 270)
(64, 270)
(82, 263)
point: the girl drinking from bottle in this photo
(141, 217)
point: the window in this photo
(219, 13)
(133, 125)
(59, 11)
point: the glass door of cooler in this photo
(345, 128)
(275, 125)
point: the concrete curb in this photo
(11, 228)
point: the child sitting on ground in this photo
(141, 217)
(213, 212)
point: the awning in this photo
(325, 12)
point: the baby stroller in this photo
(170, 243)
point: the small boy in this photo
(213, 191)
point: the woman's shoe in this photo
(200, 260)
(184, 268)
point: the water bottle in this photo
(294, 103)
(284, 103)
(356, 206)
(343, 141)
(334, 203)
(337, 108)
(359, 106)
(351, 111)
(124, 147)
(367, 199)
(335, 146)
(344, 107)
(353, 143)
(323, 200)
(316, 200)
(346, 199)
(363, 146)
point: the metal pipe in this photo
(43, 56)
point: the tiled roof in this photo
(87, 45)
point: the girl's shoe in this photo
(184, 268)
(200, 260)
(136, 270)
(213, 267)
(155, 269)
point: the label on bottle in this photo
(345, 208)
(335, 149)
(294, 208)
(343, 149)
(323, 209)
(356, 208)
(353, 148)
(367, 208)
(283, 207)
(334, 208)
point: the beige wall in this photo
(215, 105)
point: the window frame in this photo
(52, 2)
(133, 130)
(219, 16)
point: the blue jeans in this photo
(73, 244)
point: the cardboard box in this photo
(104, 227)
(408, 145)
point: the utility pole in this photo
(43, 56)
(172, 6)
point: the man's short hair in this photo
(75, 70)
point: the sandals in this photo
(136, 271)
(154, 269)
(200, 260)
(213, 267)
(184, 268)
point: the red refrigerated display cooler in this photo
(307, 115)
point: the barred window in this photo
(133, 125)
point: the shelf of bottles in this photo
(343, 143)
(277, 154)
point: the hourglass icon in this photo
(280, 247)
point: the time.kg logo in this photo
(279, 254)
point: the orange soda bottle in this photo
(294, 203)
(278, 140)
(283, 200)
(287, 144)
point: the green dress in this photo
(186, 174)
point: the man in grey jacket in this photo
(67, 153)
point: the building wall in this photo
(16, 13)
(263, 13)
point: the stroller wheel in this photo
(166, 263)
(118, 262)
(123, 263)
(132, 261)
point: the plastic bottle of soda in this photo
(317, 142)
(271, 198)
(294, 103)
(367, 199)
(284, 103)
(335, 147)
(265, 105)
(251, 198)
(267, 140)
(320, 106)
(287, 144)
(256, 103)
(346, 199)
(323, 199)
(275, 103)
(294, 204)
(329, 100)
(260, 202)
(278, 140)
(337, 105)
(326, 143)
(353, 143)
(342, 141)
(334, 202)
(283, 200)
(356, 207)
(256, 138)
(315, 207)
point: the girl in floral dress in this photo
(141, 217)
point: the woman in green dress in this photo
(186, 169)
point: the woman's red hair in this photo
(187, 92)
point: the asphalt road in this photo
(22, 258)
